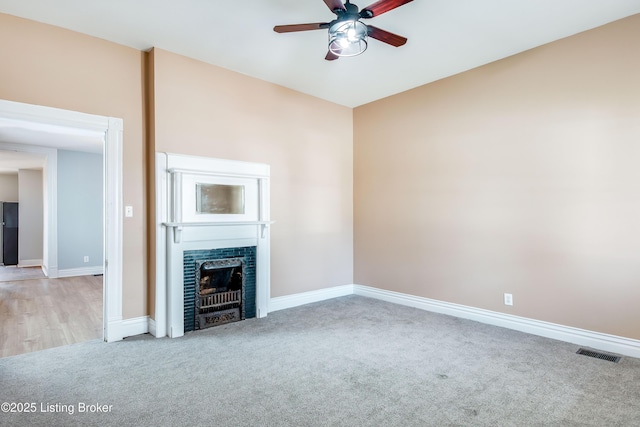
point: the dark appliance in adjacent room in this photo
(9, 233)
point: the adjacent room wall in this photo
(521, 176)
(30, 217)
(50, 66)
(80, 210)
(8, 187)
(205, 110)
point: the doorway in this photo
(40, 313)
(22, 122)
(21, 215)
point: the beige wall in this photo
(208, 111)
(521, 176)
(46, 65)
(8, 187)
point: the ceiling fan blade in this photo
(380, 7)
(386, 36)
(331, 56)
(334, 4)
(300, 27)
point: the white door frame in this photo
(34, 117)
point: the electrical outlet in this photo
(508, 299)
(86, 258)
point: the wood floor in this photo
(45, 313)
(10, 273)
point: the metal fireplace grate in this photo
(598, 355)
(220, 300)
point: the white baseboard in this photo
(295, 300)
(582, 337)
(30, 263)
(596, 340)
(152, 327)
(127, 328)
(84, 271)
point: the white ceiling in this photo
(17, 133)
(446, 37)
(12, 161)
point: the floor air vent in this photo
(599, 355)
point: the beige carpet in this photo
(350, 361)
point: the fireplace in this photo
(219, 286)
(212, 222)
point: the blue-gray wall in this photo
(80, 224)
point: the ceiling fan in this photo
(347, 34)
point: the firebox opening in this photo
(220, 286)
(214, 280)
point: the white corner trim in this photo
(46, 271)
(582, 337)
(83, 271)
(295, 300)
(162, 214)
(119, 329)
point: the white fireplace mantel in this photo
(179, 226)
(179, 230)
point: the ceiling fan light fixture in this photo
(348, 38)
(347, 34)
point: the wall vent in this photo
(599, 355)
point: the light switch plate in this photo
(128, 211)
(508, 299)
